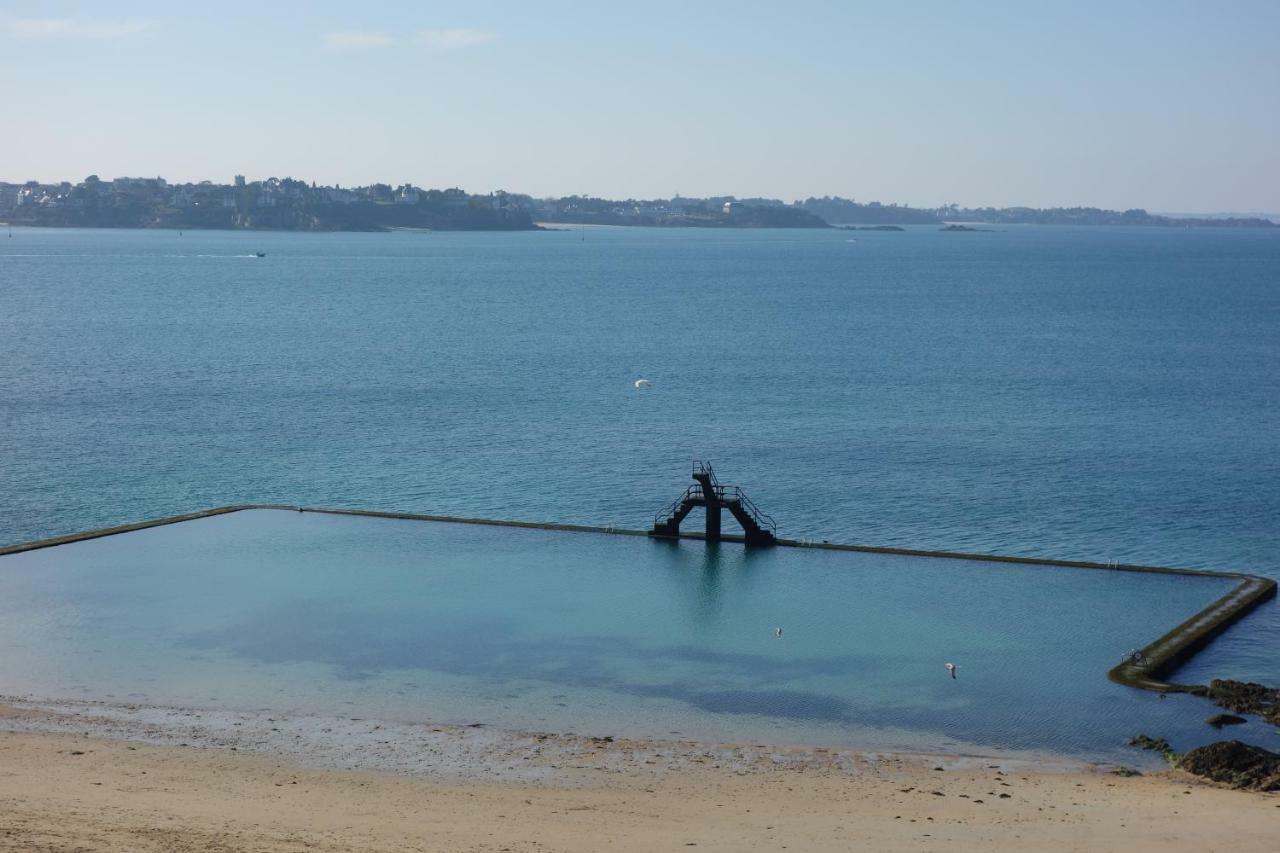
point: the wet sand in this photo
(98, 777)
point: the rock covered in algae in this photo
(1220, 720)
(1246, 697)
(1155, 744)
(1236, 764)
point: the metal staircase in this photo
(758, 528)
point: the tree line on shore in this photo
(289, 204)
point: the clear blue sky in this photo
(1172, 106)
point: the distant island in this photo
(716, 212)
(294, 205)
(280, 204)
(841, 211)
(1092, 216)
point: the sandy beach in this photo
(104, 778)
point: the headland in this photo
(288, 204)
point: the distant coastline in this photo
(287, 204)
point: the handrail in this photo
(722, 494)
(693, 492)
(760, 517)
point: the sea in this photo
(1107, 394)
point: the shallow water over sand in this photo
(1069, 392)
(594, 634)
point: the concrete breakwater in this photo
(1146, 670)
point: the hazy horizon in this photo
(1167, 107)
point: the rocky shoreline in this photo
(1246, 697)
(1234, 764)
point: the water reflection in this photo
(307, 607)
(702, 573)
(709, 590)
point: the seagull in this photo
(643, 384)
(777, 632)
(951, 668)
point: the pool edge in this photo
(1145, 671)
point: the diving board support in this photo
(758, 528)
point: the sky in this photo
(1167, 105)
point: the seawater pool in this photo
(595, 634)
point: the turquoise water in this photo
(593, 634)
(1104, 394)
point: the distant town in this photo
(289, 204)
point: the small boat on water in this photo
(260, 254)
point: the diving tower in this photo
(757, 527)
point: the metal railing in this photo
(700, 467)
(723, 494)
(763, 519)
(694, 492)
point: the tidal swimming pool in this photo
(595, 634)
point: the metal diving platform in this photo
(758, 528)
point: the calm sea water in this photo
(1097, 393)
(595, 634)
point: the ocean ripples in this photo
(1103, 394)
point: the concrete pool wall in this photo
(1146, 671)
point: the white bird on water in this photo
(951, 668)
(643, 384)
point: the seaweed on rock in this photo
(1246, 697)
(1236, 764)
